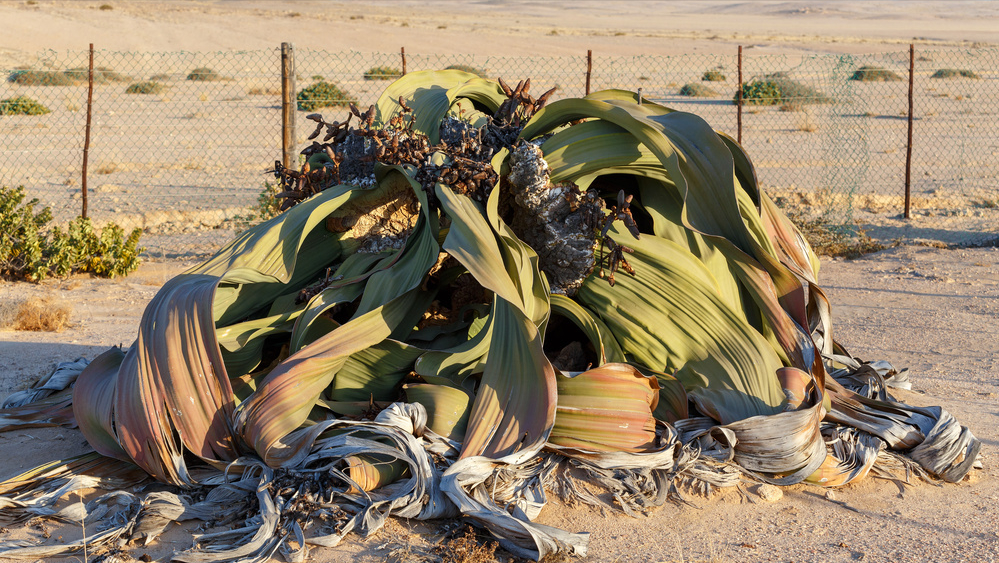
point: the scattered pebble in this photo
(769, 493)
(830, 495)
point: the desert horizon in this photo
(496, 27)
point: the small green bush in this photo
(148, 87)
(468, 68)
(954, 73)
(713, 75)
(204, 74)
(22, 105)
(28, 77)
(28, 252)
(875, 74)
(777, 89)
(80, 249)
(760, 93)
(382, 73)
(696, 90)
(323, 94)
(105, 7)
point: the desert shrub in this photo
(382, 73)
(108, 253)
(829, 238)
(875, 74)
(105, 7)
(696, 90)
(148, 87)
(777, 89)
(468, 68)
(22, 105)
(204, 74)
(28, 252)
(323, 94)
(161, 77)
(29, 77)
(102, 75)
(21, 241)
(954, 73)
(713, 75)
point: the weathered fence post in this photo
(86, 134)
(288, 158)
(908, 144)
(403, 52)
(589, 69)
(738, 102)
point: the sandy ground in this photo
(932, 310)
(489, 27)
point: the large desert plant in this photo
(520, 284)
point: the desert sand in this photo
(930, 309)
(498, 27)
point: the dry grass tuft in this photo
(467, 549)
(37, 314)
(263, 91)
(106, 168)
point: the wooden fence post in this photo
(738, 102)
(589, 69)
(403, 52)
(288, 157)
(86, 135)
(908, 144)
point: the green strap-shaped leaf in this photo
(285, 397)
(431, 93)
(726, 366)
(608, 408)
(515, 404)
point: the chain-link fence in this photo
(181, 142)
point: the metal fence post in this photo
(403, 52)
(288, 158)
(908, 144)
(738, 102)
(86, 135)
(589, 69)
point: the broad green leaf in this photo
(285, 397)
(608, 408)
(374, 373)
(431, 93)
(514, 406)
(726, 366)
(447, 408)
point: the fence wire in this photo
(181, 141)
